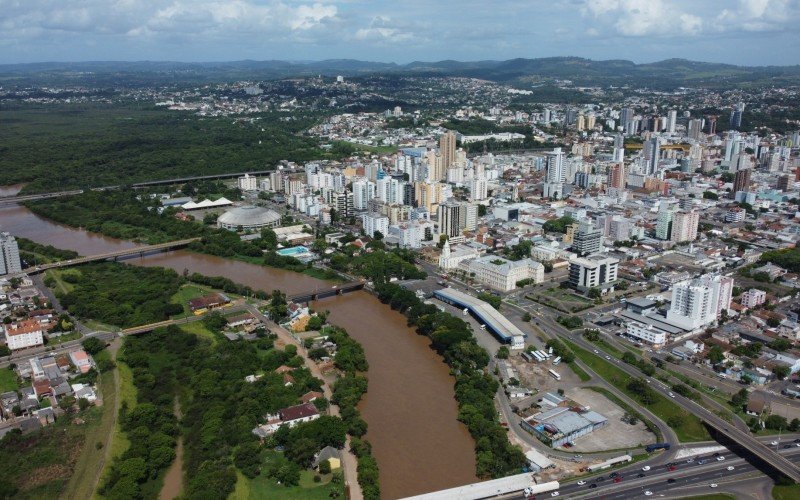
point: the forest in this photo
(67, 146)
(121, 295)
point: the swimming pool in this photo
(287, 252)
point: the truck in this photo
(657, 446)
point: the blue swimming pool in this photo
(288, 252)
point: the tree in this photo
(675, 421)
(773, 322)
(781, 371)
(794, 425)
(325, 467)
(776, 422)
(781, 345)
(591, 334)
(502, 353)
(740, 398)
(67, 403)
(715, 355)
(594, 293)
(93, 345)
(526, 317)
(83, 403)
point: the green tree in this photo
(325, 467)
(502, 352)
(93, 345)
(715, 355)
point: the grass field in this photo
(82, 482)
(61, 287)
(98, 326)
(185, 294)
(8, 380)
(786, 492)
(585, 377)
(64, 338)
(691, 429)
(264, 487)
(200, 330)
(560, 299)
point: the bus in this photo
(554, 374)
(557, 361)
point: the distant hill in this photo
(669, 73)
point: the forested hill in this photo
(668, 73)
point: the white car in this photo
(774, 443)
(648, 493)
(731, 467)
(713, 485)
(581, 482)
(646, 468)
(671, 395)
(720, 458)
(554, 494)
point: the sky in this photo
(746, 32)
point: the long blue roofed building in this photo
(499, 325)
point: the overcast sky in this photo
(751, 32)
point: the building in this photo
(684, 226)
(651, 153)
(736, 116)
(363, 191)
(375, 222)
(735, 214)
(505, 331)
(587, 239)
(666, 212)
(455, 217)
(248, 183)
(559, 426)
(616, 176)
(9, 255)
(451, 258)
(555, 175)
(28, 333)
(248, 218)
(502, 274)
(699, 302)
(741, 183)
(478, 189)
(81, 360)
(753, 298)
(646, 332)
(447, 148)
(290, 416)
(343, 204)
(595, 271)
(411, 234)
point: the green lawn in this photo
(8, 380)
(786, 492)
(690, 431)
(98, 326)
(127, 394)
(61, 286)
(64, 338)
(585, 377)
(265, 487)
(200, 330)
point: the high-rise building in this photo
(672, 120)
(555, 174)
(343, 203)
(664, 221)
(375, 222)
(699, 302)
(9, 255)
(711, 124)
(736, 116)
(741, 182)
(616, 176)
(363, 191)
(455, 217)
(429, 194)
(587, 240)
(625, 115)
(695, 129)
(651, 153)
(447, 148)
(783, 183)
(684, 226)
(595, 271)
(478, 189)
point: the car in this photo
(646, 468)
(641, 474)
(731, 467)
(701, 462)
(601, 478)
(713, 485)
(608, 358)
(717, 454)
(581, 483)
(596, 351)
(720, 459)
(613, 474)
(670, 480)
(787, 446)
(618, 479)
(554, 494)
(797, 444)
(671, 468)
(648, 493)
(671, 395)
(797, 440)
(774, 443)
(690, 460)
(593, 485)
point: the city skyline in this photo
(746, 32)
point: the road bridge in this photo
(140, 251)
(321, 293)
(10, 200)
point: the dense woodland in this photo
(121, 295)
(78, 145)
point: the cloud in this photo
(760, 16)
(383, 29)
(637, 18)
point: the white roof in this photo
(491, 488)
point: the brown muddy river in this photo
(417, 441)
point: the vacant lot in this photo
(562, 299)
(616, 434)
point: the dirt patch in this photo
(42, 475)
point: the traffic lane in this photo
(712, 471)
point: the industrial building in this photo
(502, 328)
(560, 425)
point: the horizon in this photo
(745, 32)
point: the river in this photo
(410, 409)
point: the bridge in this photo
(140, 251)
(321, 293)
(9, 200)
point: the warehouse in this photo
(495, 322)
